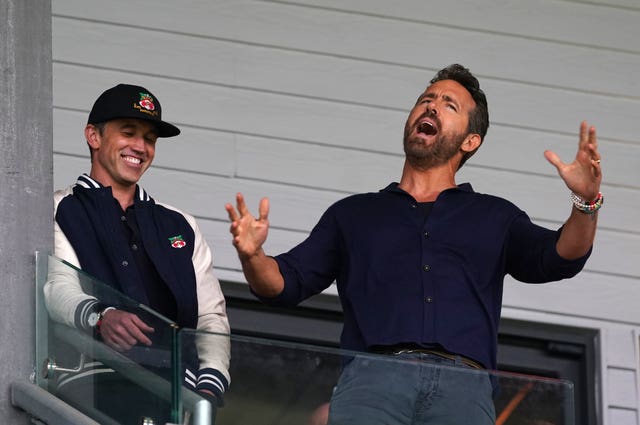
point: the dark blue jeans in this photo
(411, 389)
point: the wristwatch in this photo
(95, 317)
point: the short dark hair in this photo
(479, 116)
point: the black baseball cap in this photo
(128, 101)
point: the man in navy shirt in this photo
(419, 265)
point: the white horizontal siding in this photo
(622, 347)
(373, 38)
(557, 21)
(619, 416)
(304, 101)
(622, 389)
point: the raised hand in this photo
(249, 233)
(584, 175)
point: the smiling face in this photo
(437, 126)
(121, 152)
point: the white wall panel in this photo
(623, 416)
(621, 348)
(376, 38)
(561, 21)
(229, 63)
(622, 388)
(631, 5)
(589, 295)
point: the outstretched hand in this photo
(584, 175)
(249, 233)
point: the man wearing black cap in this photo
(107, 225)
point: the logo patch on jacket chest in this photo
(177, 242)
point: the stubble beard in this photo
(422, 156)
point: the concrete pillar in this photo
(26, 181)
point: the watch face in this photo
(93, 319)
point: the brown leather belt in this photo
(396, 350)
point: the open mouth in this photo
(427, 128)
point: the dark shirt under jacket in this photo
(160, 297)
(435, 281)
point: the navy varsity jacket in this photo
(88, 235)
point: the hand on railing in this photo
(122, 330)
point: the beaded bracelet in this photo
(586, 206)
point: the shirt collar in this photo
(88, 183)
(393, 187)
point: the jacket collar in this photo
(88, 183)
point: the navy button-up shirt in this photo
(405, 276)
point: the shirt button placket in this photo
(428, 299)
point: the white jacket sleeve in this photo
(212, 341)
(65, 300)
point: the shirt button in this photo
(134, 247)
(428, 299)
(414, 206)
(426, 234)
(123, 218)
(125, 263)
(426, 267)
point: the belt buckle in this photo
(403, 351)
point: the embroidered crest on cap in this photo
(146, 105)
(177, 242)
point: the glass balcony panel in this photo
(272, 382)
(275, 382)
(140, 384)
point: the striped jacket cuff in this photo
(214, 381)
(83, 310)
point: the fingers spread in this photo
(587, 136)
(263, 209)
(242, 206)
(553, 158)
(584, 135)
(233, 215)
(592, 136)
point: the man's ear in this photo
(92, 135)
(471, 143)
